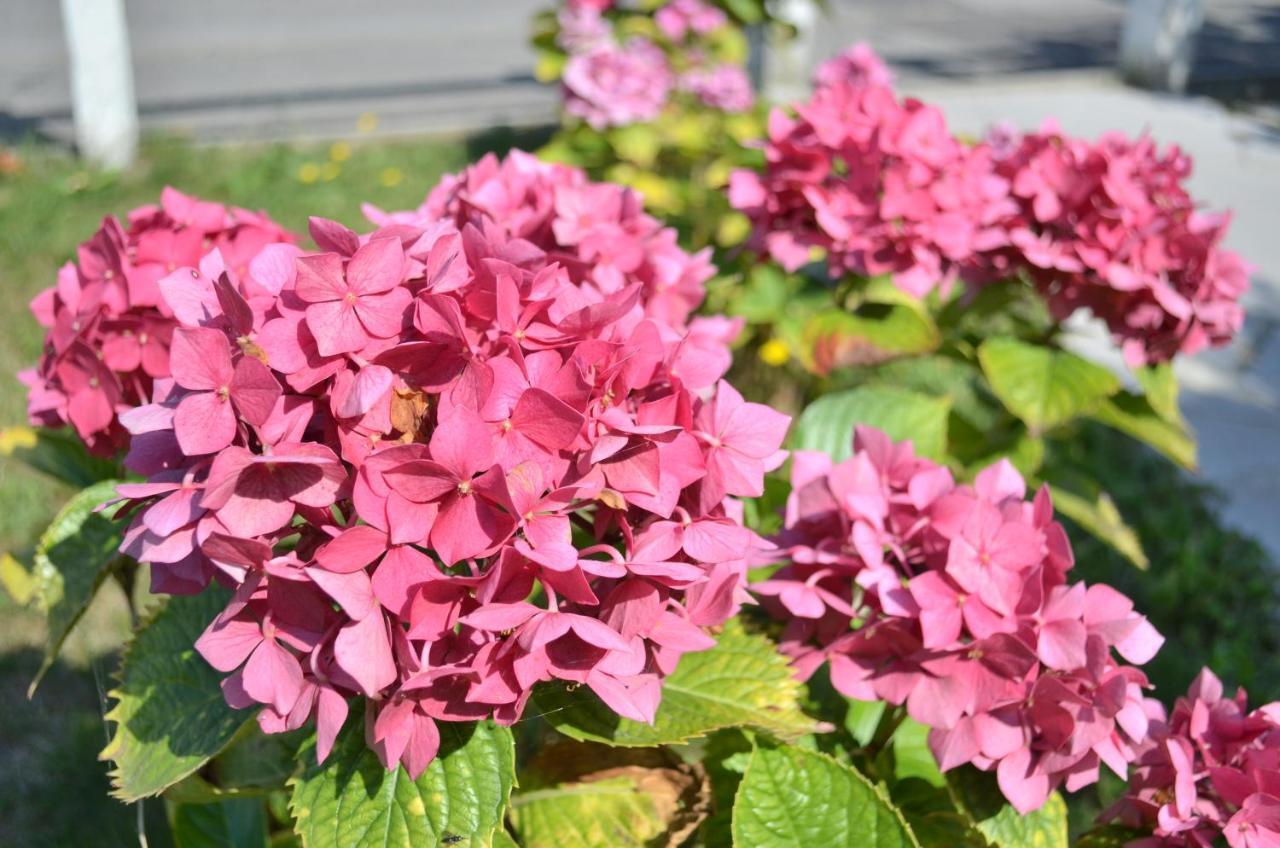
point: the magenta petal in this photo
(363, 650)
(336, 327)
(637, 700)
(351, 590)
(383, 314)
(463, 443)
(353, 549)
(421, 480)
(204, 423)
(547, 420)
(498, 617)
(320, 278)
(466, 527)
(252, 516)
(200, 358)
(423, 746)
(376, 267)
(1061, 644)
(1025, 789)
(273, 676)
(399, 575)
(370, 386)
(227, 644)
(331, 714)
(254, 390)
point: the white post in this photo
(1158, 42)
(789, 61)
(102, 98)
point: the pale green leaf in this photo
(978, 796)
(1160, 387)
(875, 332)
(351, 801)
(912, 756)
(1043, 386)
(1134, 415)
(1101, 519)
(791, 798)
(72, 558)
(586, 795)
(607, 812)
(827, 424)
(742, 682)
(169, 714)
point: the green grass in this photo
(53, 203)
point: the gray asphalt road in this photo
(279, 68)
(270, 67)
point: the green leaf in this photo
(1160, 387)
(256, 761)
(762, 297)
(637, 143)
(912, 756)
(978, 796)
(72, 558)
(863, 719)
(605, 812)
(169, 712)
(874, 333)
(352, 802)
(742, 682)
(1101, 519)
(791, 798)
(827, 423)
(239, 822)
(584, 795)
(58, 453)
(943, 376)
(1042, 386)
(1134, 415)
(17, 580)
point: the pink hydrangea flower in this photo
(859, 64)
(109, 326)
(1209, 770)
(876, 183)
(964, 615)
(723, 87)
(598, 232)
(681, 18)
(617, 84)
(1110, 227)
(477, 449)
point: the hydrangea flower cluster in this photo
(615, 84)
(859, 65)
(961, 610)
(449, 459)
(598, 232)
(109, 323)
(1210, 769)
(610, 82)
(876, 183)
(881, 186)
(1109, 226)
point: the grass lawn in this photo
(52, 791)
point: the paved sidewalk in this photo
(1231, 396)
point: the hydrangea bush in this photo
(460, 530)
